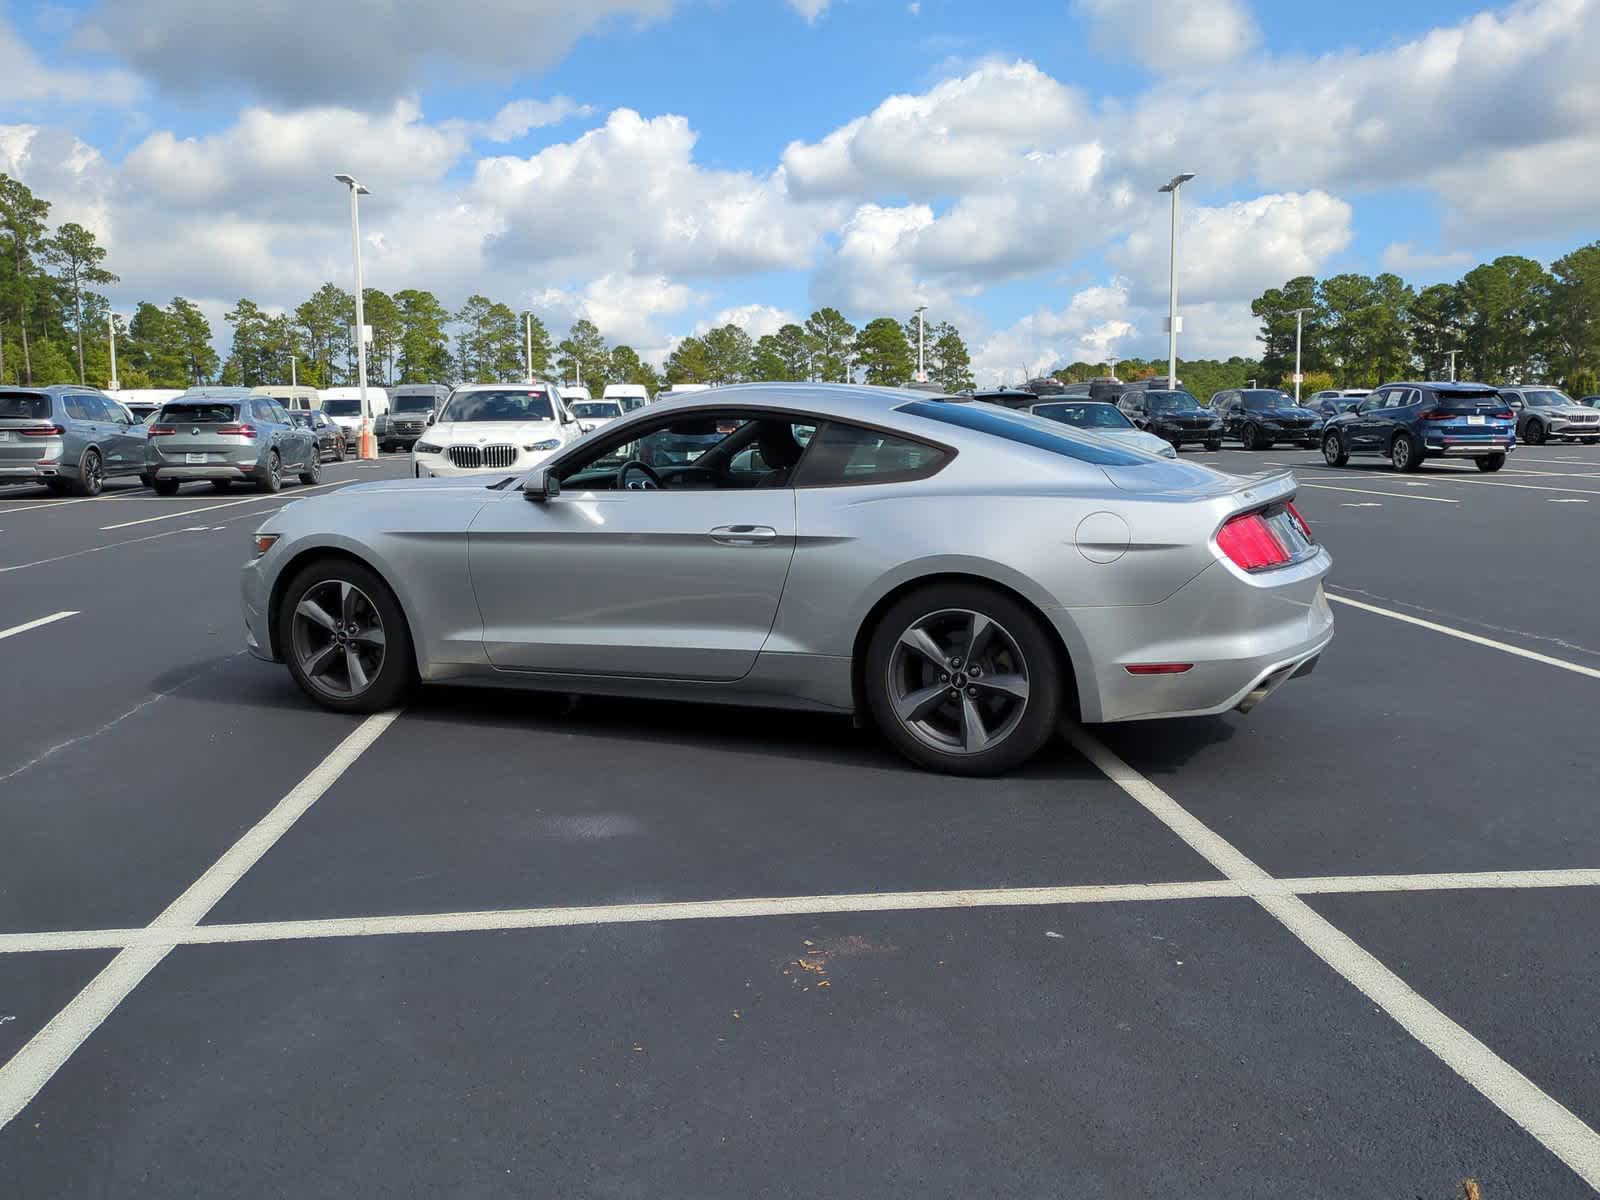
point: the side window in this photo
(79, 409)
(1373, 402)
(1402, 397)
(1511, 398)
(842, 455)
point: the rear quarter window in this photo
(1027, 431)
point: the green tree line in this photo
(1508, 321)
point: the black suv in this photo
(1176, 416)
(1259, 417)
(1006, 397)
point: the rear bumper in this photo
(14, 472)
(192, 471)
(1244, 640)
(1463, 448)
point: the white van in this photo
(143, 403)
(343, 404)
(298, 398)
(573, 394)
(629, 395)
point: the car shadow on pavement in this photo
(780, 733)
(1164, 747)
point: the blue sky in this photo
(997, 162)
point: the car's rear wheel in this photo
(1334, 451)
(1214, 445)
(1405, 454)
(91, 474)
(272, 481)
(1534, 435)
(1490, 462)
(963, 679)
(165, 487)
(221, 485)
(344, 637)
(58, 487)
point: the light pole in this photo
(1299, 321)
(1172, 186)
(527, 343)
(922, 375)
(369, 444)
(111, 328)
(1452, 354)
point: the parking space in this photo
(518, 945)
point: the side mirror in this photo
(541, 486)
(430, 419)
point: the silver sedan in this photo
(964, 574)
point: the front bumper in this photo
(1244, 639)
(255, 589)
(430, 466)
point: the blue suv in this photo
(1408, 423)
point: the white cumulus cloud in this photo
(1173, 36)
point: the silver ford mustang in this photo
(963, 573)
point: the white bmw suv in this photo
(494, 428)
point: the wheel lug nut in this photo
(944, 678)
(955, 694)
(973, 692)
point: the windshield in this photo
(201, 413)
(1084, 416)
(1548, 398)
(597, 408)
(629, 403)
(1260, 401)
(342, 408)
(507, 405)
(1170, 402)
(413, 403)
(24, 406)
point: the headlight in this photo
(547, 444)
(1169, 451)
(426, 448)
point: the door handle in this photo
(743, 535)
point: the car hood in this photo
(483, 433)
(1568, 410)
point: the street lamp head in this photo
(350, 182)
(1176, 182)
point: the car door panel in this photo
(659, 583)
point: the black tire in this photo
(1405, 454)
(221, 485)
(313, 473)
(1250, 436)
(165, 487)
(1025, 638)
(91, 479)
(272, 481)
(58, 487)
(1214, 445)
(1490, 462)
(1334, 452)
(397, 675)
(1535, 435)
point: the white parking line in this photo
(35, 624)
(494, 920)
(1550, 1122)
(28, 504)
(1326, 487)
(189, 512)
(31, 1067)
(1476, 639)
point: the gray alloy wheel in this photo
(1535, 435)
(336, 635)
(958, 681)
(1333, 451)
(273, 480)
(91, 474)
(1403, 453)
(313, 472)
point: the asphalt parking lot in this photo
(503, 945)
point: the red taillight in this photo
(1438, 414)
(161, 430)
(248, 431)
(1508, 415)
(43, 431)
(1300, 521)
(1158, 668)
(1249, 541)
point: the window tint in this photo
(24, 406)
(201, 413)
(1028, 431)
(77, 410)
(848, 454)
(510, 404)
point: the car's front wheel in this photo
(1334, 451)
(344, 637)
(1214, 445)
(1490, 462)
(1534, 434)
(963, 679)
